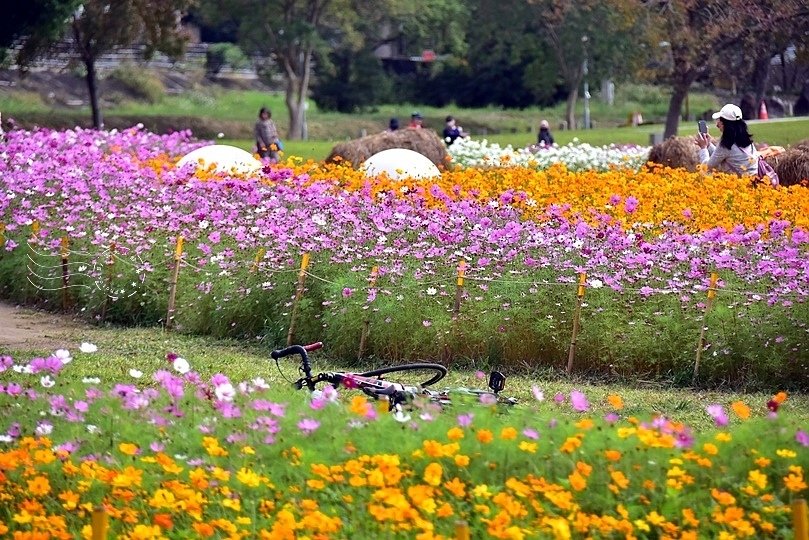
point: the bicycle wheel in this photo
(414, 370)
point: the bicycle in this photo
(398, 394)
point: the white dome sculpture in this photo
(400, 163)
(228, 159)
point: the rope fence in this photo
(304, 272)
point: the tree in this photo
(35, 21)
(99, 26)
(582, 34)
(701, 33)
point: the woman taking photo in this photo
(735, 153)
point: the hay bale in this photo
(792, 167)
(676, 152)
(423, 141)
(803, 145)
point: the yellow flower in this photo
(616, 401)
(762, 462)
(741, 410)
(723, 437)
(570, 445)
(455, 433)
(710, 449)
(786, 453)
(577, 481)
(485, 436)
(758, 478)
(508, 433)
(530, 447)
(461, 460)
(612, 455)
(39, 486)
(128, 449)
(432, 474)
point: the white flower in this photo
(5, 438)
(225, 392)
(136, 373)
(204, 224)
(220, 135)
(596, 283)
(93, 429)
(44, 429)
(22, 369)
(432, 291)
(181, 365)
(47, 382)
(63, 355)
(260, 383)
(87, 347)
(91, 380)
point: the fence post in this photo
(579, 296)
(366, 323)
(259, 255)
(98, 523)
(110, 272)
(175, 273)
(461, 530)
(65, 273)
(32, 240)
(800, 522)
(298, 296)
(711, 296)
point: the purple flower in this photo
(530, 433)
(347, 292)
(488, 399)
(539, 395)
(465, 420)
(559, 398)
(717, 412)
(580, 402)
(802, 437)
(308, 425)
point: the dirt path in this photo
(26, 329)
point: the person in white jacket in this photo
(735, 153)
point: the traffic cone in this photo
(762, 112)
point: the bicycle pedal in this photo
(497, 381)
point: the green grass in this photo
(145, 349)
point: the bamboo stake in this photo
(110, 273)
(456, 311)
(65, 273)
(579, 296)
(2, 237)
(32, 240)
(298, 297)
(367, 323)
(259, 255)
(178, 254)
(459, 289)
(711, 296)
(461, 530)
(800, 522)
(98, 523)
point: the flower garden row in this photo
(647, 241)
(177, 455)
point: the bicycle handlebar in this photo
(299, 349)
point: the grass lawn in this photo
(145, 349)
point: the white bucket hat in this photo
(728, 112)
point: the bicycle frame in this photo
(396, 393)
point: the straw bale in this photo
(792, 167)
(804, 145)
(424, 141)
(676, 152)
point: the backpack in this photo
(765, 173)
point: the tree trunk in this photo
(761, 77)
(92, 88)
(678, 96)
(572, 96)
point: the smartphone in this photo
(702, 126)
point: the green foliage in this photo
(36, 23)
(141, 82)
(220, 55)
(355, 83)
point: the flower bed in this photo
(180, 456)
(647, 242)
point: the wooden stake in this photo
(98, 523)
(2, 237)
(579, 296)
(459, 289)
(65, 273)
(32, 241)
(367, 323)
(110, 273)
(298, 296)
(461, 530)
(178, 254)
(711, 296)
(259, 255)
(800, 522)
